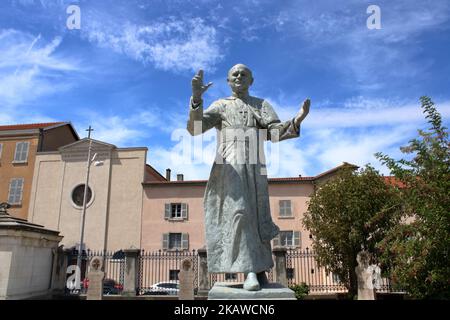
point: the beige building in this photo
(18, 147)
(114, 206)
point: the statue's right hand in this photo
(197, 86)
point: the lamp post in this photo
(83, 214)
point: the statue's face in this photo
(240, 78)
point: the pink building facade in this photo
(173, 215)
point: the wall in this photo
(26, 263)
(112, 218)
(9, 170)
(156, 195)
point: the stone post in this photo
(96, 277)
(186, 277)
(58, 283)
(131, 272)
(280, 265)
(203, 276)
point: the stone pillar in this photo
(280, 265)
(186, 277)
(131, 271)
(96, 277)
(59, 271)
(203, 276)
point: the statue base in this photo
(235, 291)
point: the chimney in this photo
(168, 174)
(180, 177)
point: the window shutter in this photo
(184, 210)
(276, 241)
(288, 208)
(165, 241)
(297, 239)
(12, 186)
(1, 147)
(20, 190)
(17, 152)
(185, 241)
(25, 148)
(167, 213)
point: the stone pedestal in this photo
(279, 254)
(186, 277)
(95, 276)
(131, 271)
(234, 291)
(28, 258)
(203, 277)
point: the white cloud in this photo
(175, 45)
(29, 69)
(352, 133)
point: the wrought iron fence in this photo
(113, 266)
(302, 267)
(163, 266)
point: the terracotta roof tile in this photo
(29, 126)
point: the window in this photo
(78, 195)
(336, 278)
(15, 191)
(287, 239)
(1, 148)
(173, 274)
(175, 241)
(230, 276)
(21, 154)
(176, 211)
(285, 208)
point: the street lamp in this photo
(83, 214)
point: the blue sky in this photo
(127, 72)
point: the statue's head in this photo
(240, 78)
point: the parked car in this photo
(163, 288)
(110, 286)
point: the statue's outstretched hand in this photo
(197, 86)
(301, 115)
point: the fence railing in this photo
(302, 267)
(163, 266)
(113, 265)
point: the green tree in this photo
(349, 213)
(417, 251)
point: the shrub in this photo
(301, 290)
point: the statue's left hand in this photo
(301, 115)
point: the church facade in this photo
(114, 198)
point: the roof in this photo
(35, 126)
(68, 146)
(30, 126)
(271, 180)
(394, 181)
(152, 171)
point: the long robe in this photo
(238, 222)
